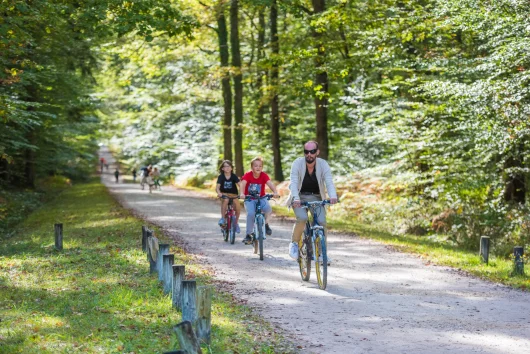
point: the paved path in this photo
(377, 300)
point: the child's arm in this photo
(242, 191)
(273, 188)
(218, 190)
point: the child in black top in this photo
(227, 183)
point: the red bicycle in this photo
(229, 228)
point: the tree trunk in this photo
(29, 163)
(275, 112)
(321, 98)
(222, 34)
(238, 86)
(261, 73)
(515, 182)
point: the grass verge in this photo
(96, 295)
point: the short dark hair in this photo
(228, 162)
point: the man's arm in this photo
(293, 185)
(328, 180)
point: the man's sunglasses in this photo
(312, 152)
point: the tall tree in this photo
(321, 79)
(237, 76)
(275, 110)
(222, 35)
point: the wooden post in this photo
(144, 238)
(518, 253)
(189, 301)
(186, 338)
(163, 248)
(178, 278)
(59, 237)
(151, 257)
(167, 265)
(204, 313)
(484, 249)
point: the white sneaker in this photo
(293, 250)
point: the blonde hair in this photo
(257, 158)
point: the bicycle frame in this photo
(229, 214)
(259, 222)
(314, 239)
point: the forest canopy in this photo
(428, 100)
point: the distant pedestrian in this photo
(143, 175)
(134, 175)
(156, 178)
(117, 175)
(101, 163)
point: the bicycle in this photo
(259, 224)
(312, 246)
(229, 229)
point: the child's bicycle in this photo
(259, 224)
(229, 228)
(312, 246)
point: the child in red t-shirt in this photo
(253, 183)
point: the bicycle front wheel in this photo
(321, 260)
(260, 223)
(304, 259)
(232, 229)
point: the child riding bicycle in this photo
(253, 183)
(227, 183)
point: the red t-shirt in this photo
(255, 183)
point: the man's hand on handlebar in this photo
(333, 200)
(276, 195)
(296, 204)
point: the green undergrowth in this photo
(96, 295)
(431, 249)
(17, 203)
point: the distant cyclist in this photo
(310, 179)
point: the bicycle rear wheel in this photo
(321, 266)
(232, 229)
(304, 259)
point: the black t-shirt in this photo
(310, 182)
(228, 185)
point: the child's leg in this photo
(224, 206)
(250, 207)
(267, 210)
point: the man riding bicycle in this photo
(310, 179)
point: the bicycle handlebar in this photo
(315, 203)
(266, 196)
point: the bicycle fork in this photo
(315, 229)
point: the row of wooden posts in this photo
(194, 302)
(518, 255)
